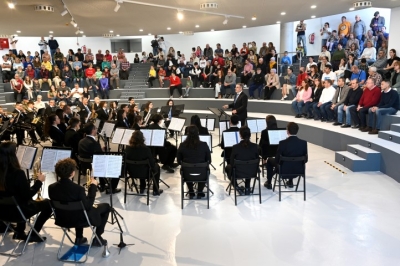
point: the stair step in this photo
(390, 136)
(353, 162)
(364, 152)
(395, 127)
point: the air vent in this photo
(362, 4)
(4, 36)
(188, 33)
(44, 8)
(108, 35)
(209, 6)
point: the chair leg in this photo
(259, 188)
(298, 182)
(61, 244)
(208, 193)
(182, 184)
(304, 187)
(279, 185)
(273, 189)
(126, 186)
(234, 190)
(148, 191)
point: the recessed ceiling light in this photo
(141, 30)
(51, 31)
(351, 8)
(212, 29)
(254, 18)
(11, 5)
(111, 31)
(283, 13)
(312, 16)
(83, 35)
(168, 28)
(18, 31)
(197, 26)
(181, 32)
(149, 34)
(81, 32)
(313, 6)
(278, 22)
(179, 15)
(244, 26)
(117, 35)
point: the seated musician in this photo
(195, 120)
(51, 108)
(243, 151)
(51, 130)
(3, 118)
(233, 127)
(102, 113)
(62, 125)
(73, 136)
(192, 150)
(167, 153)
(138, 151)
(122, 120)
(147, 112)
(67, 191)
(138, 123)
(21, 123)
(85, 110)
(89, 146)
(268, 151)
(169, 114)
(132, 113)
(30, 116)
(13, 182)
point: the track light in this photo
(11, 5)
(180, 15)
(117, 7)
(73, 23)
(225, 21)
(77, 31)
(254, 17)
(64, 12)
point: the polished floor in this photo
(348, 219)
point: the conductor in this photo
(239, 105)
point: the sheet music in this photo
(147, 136)
(207, 139)
(261, 124)
(223, 125)
(29, 156)
(176, 124)
(114, 163)
(48, 157)
(20, 153)
(97, 122)
(275, 136)
(99, 165)
(62, 154)
(252, 124)
(118, 134)
(127, 136)
(108, 128)
(210, 123)
(157, 138)
(231, 138)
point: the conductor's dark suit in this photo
(240, 105)
(201, 154)
(67, 191)
(227, 151)
(292, 147)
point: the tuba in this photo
(36, 172)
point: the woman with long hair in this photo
(52, 130)
(13, 182)
(195, 121)
(192, 150)
(267, 150)
(243, 151)
(147, 111)
(352, 61)
(393, 58)
(313, 73)
(315, 95)
(122, 121)
(138, 123)
(138, 151)
(219, 82)
(302, 97)
(132, 113)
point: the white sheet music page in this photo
(108, 128)
(28, 158)
(114, 164)
(230, 139)
(118, 134)
(48, 160)
(127, 136)
(158, 138)
(20, 153)
(261, 124)
(62, 154)
(206, 139)
(275, 136)
(97, 122)
(223, 125)
(252, 124)
(176, 124)
(99, 165)
(147, 136)
(210, 123)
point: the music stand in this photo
(26, 156)
(114, 160)
(219, 113)
(177, 125)
(179, 108)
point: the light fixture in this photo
(225, 21)
(141, 30)
(64, 12)
(283, 13)
(77, 31)
(312, 16)
(111, 31)
(313, 6)
(117, 7)
(244, 26)
(181, 32)
(117, 35)
(197, 26)
(212, 29)
(51, 32)
(81, 32)
(73, 23)
(149, 34)
(351, 8)
(254, 17)
(179, 15)
(18, 31)
(168, 28)
(83, 35)
(11, 5)
(15, 35)
(278, 22)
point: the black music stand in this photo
(219, 113)
(179, 108)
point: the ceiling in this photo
(97, 17)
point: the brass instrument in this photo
(146, 119)
(36, 172)
(93, 114)
(75, 110)
(88, 178)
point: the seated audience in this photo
(351, 101)
(302, 97)
(395, 77)
(325, 100)
(315, 95)
(338, 99)
(289, 83)
(369, 53)
(271, 84)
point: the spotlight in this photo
(77, 31)
(254, 18)
(225, 21)
(64, 12)
(179, 15)
(117, 7)
(73, 23)
(11, 5)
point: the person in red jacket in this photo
(218, 59)
(30, 72)
(302, 76)
(89, 73)
(370, 97)
(175, 83)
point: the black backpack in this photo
(154, 43)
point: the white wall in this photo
(394, 36)
(315, 25)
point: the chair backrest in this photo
(195, 172)
(85, 160)
(138, 169)
(70, 214)
(246, 169)
(292, 165)
(10, 210)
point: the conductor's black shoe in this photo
(247, 191)
(80, 241)
(96, 243)
(158, 193)
(101, 188)
(165, 167)
(337, 124)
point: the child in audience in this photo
(189, 86)
(98, 73)
(332, 41)
(161, 76)
(144, 57)
(104, 89)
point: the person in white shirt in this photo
(325, 33)
(39, 104)
(42, 46)
(329, 75)
(6, 69)
(369, 53)
(203, 62)
(324, 53)
(76, 93)
(310, 63)
(325, 100)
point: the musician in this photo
(17, 84)
(268, 151)
(167, 153)
(25, 101)
(73, 135)
(233, 127)
(67, 191)
(132, 113)
(113, 111)
(13, 182)
(192, 150)
(61, 105)
(67, 114)
(40, 106)
(138, 151)
(244, 151)
(131, 101)
(52, 130)
(138, 123)
(122, 120)
(102, 113)
(6, 133)
(96, 105)
(85, 110)
(62, 125)
(30, 116)
(239, 105)
(147, 112)
(19, 122)
(195, 120)
(89, 146)
(169, 114)
(51, 108)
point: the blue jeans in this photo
(254, 87)
(67, 82)
(52, 52)
(94, 90)
(340, 114)
(298, 107)
(81, 82)
(319, 112)
(379, 115)
(155, 51)
(224, 88)
(281, 67)
(105, 93)
(330, 114)
(360, 41)
(294, 90)
(323, 111)
(309, 108)
(303, 39)
(37, 71)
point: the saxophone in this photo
(36, 172)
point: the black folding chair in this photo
(131, 173)
(11, 212)
(285, 165)
(246, 170)
(77, 218)
(195, 172)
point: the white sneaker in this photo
(284, 97)
(347, 80)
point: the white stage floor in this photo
(348, 219)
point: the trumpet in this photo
(36, 172)
(88, 178)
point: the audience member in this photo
(351, 101)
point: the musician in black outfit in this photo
(67, 191)
(51, 108)
(268, 151)
(138, 151)
(6, 133)
(138, 123)
(62, 125)
(195, 120)
(239, 105)
(13, 182)
(122, 121)
(233, 127)
(102, 114)
(89, 146)
(85, 110)
(243, 151)
(22, 119)
(167, 153)
(168, 114)
(51, 130)
(28, 119)
(290, 147)
(73, 136)
(192, 150)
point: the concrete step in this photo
(351, 161)
(2, 99)
(390, 135)
(364, 152)
(358, 158)
(395, 127)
